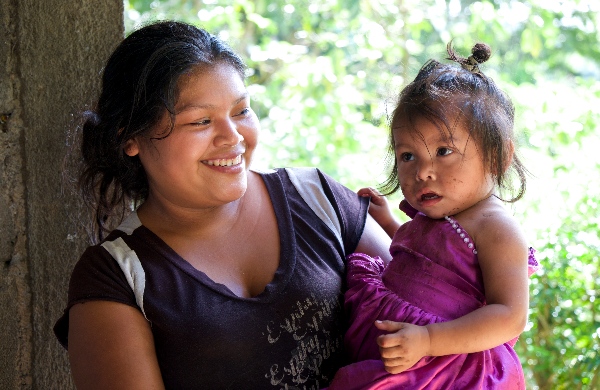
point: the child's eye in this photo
(244, 112)
(444, 151)
(407, 157)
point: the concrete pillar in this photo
(51, 55)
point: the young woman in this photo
(221, 277)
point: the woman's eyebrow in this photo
(208, 106)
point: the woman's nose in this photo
(228, 134)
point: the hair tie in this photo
(471, 65)
(480, 53)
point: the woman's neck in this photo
(165, 218)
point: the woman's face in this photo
(204, 161)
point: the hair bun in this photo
(481, 52)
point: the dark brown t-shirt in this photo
(288, 337)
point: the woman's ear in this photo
(131, 147)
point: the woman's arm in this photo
(111, 347)
(502, 254)
(374, 241)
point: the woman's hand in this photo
(404, 346)
(380, 210)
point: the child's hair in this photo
(448, 96)
(139, 85)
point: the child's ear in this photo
(131, 147)
(508, 156)
(510, 151)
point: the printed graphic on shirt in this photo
(314, 343)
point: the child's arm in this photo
(502, 254)
(380, 210)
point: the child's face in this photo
(440, 174)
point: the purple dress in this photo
(434, 277)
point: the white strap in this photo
(308, 185)
(130, 266)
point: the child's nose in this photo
(425, 170)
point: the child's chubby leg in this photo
(369, 300)
(365, 300)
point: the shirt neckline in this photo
(287, 255)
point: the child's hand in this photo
(380, 210)
(405, 345)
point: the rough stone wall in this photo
(15, 294)
(51, 55)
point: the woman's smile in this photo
(224, 162)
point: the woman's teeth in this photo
(224, 162)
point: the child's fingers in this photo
(390, 326)
(392, 339)
(395, 359)
(396, 365)
(376, 198)
(391, 355)
(368, 191)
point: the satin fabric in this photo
(434, 277)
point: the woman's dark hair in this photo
(139, 85)
(448, 95)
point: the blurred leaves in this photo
(562, 349)
(324, 75)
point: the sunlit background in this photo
(324, 74)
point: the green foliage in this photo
(324, 74)
(562, 346)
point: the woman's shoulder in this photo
(309, 182)
(110, 256)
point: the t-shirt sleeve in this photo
(350, 208)
(96, 277)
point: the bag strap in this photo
(308, 184)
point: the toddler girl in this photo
(454, 298)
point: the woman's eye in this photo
(407, 157)
(202, 122)
(444, 151)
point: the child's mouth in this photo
(429, 196)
